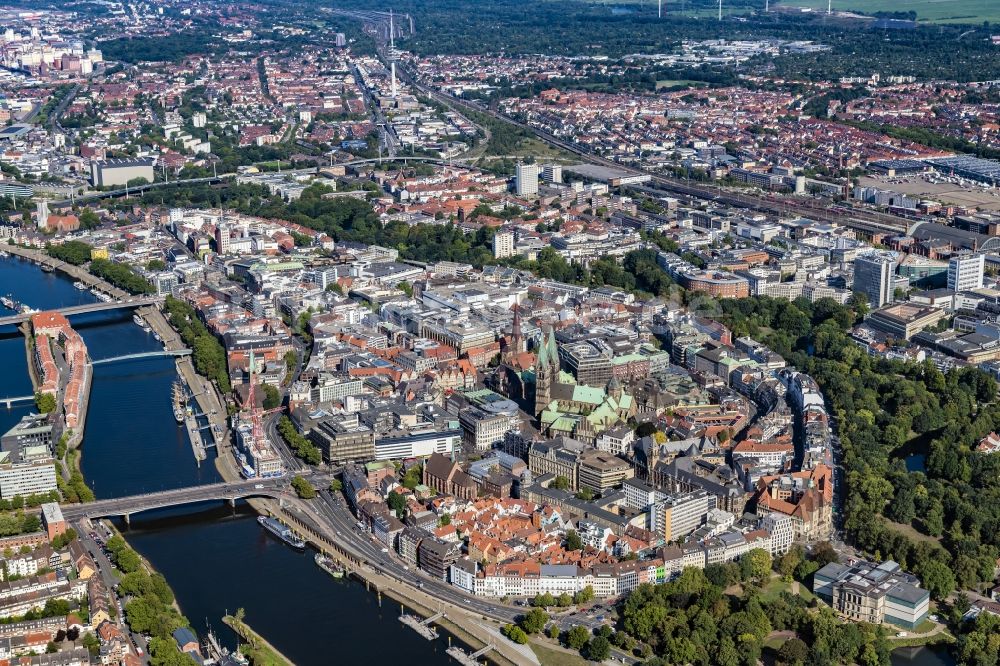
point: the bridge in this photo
(150, 354)
(21, 398)
(223, 491)
(86, 308)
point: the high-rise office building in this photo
(526, 179)
(874, 276)
(965, 271)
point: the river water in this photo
(215, 558)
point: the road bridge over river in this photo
(222, 491)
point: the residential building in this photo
(503, 244)
(526, 179)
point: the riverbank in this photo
(257, 649)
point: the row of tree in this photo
(209, 355)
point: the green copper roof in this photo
(588, 394)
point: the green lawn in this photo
(774, 589)
(550, 657)
(937, 11)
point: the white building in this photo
(526, 179)
(781, 530)
(27, 478)
(417, 444)
(503, 244)
(965, 272)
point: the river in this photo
(215, 558)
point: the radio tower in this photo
(720, 10)
(258, 430)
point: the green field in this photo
(936, 11)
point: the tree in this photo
(543, 600)
(92, 644)
(560, 483)
(823, 553)
(584, 595)
(755, 565)
(291, 360)
(553, 631)
(564, 600)
(89, 219)
(793, 652)
(723, 574)
(45, 402)
(272, 397)
(534, 621)
(598, 649)
(787, 563)
(577, 637)
(128, 561)
(514, 633)
(938, 578)
(573, 541)
(397, 503)
(303, 488)
(336, 486)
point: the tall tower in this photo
(392, 53)
(543, 381)
(546, 371)
(516, 340)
